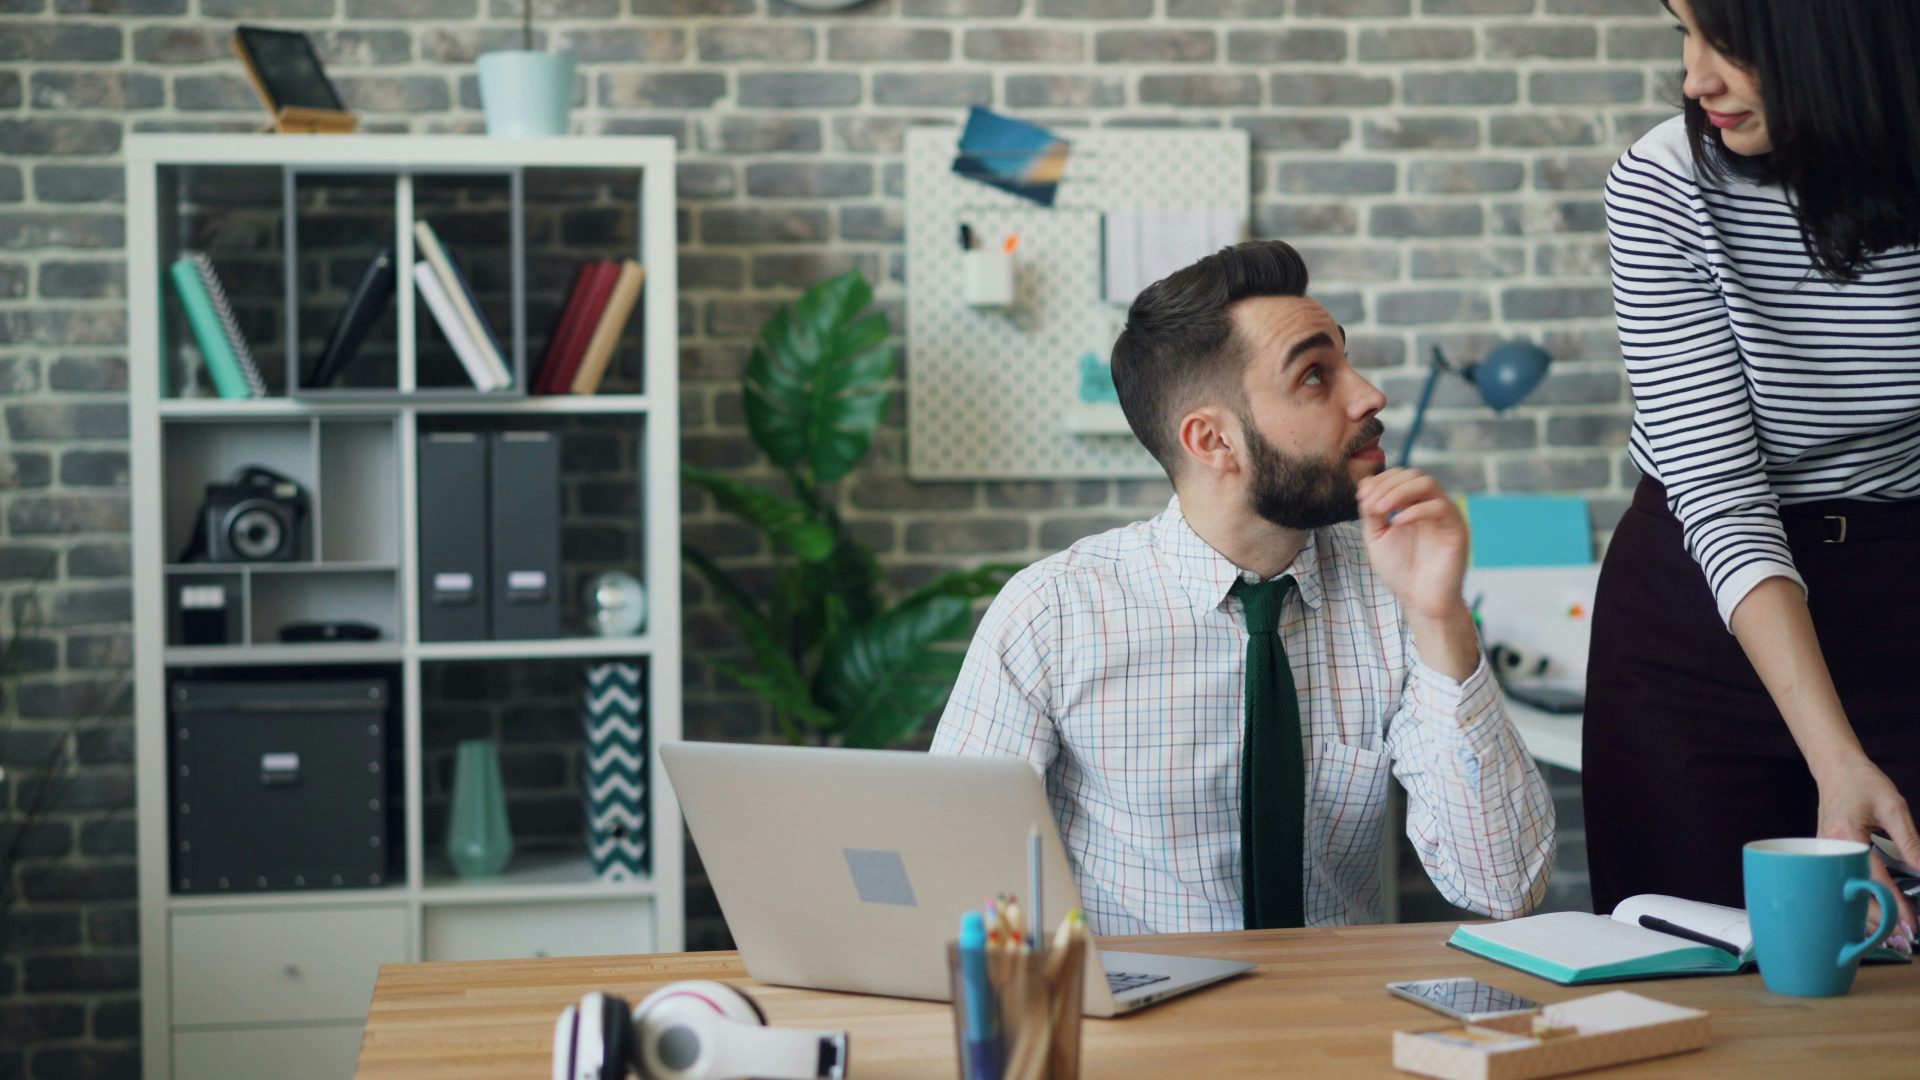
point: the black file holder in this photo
(455, 597)
(526, 535)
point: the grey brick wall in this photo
(1439, 161)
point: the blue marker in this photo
(983, 1036)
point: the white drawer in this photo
(553, 928)
(295, 1053)
(245, 967)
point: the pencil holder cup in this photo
(1029, 1028)
(986, 278)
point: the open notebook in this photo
(1648, 937)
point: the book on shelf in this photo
(606, 334)
(596, 287)
(371, 295)
(1647, 937)
(542, 369)
(464, 305)
(215, 328)
(453, 328)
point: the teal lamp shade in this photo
(479, 843)
(1508, 374)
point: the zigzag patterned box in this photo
(616, 723)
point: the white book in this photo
(468, 315)
(428, 282)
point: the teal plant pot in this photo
(526, 94)
(479, 842)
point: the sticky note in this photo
(1530, 530)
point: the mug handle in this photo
(1854, 887)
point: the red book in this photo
(566, 360)
(575, 293)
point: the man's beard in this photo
(1304, 493)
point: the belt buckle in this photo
(1842, 538)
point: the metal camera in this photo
(256, 516)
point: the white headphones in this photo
(689, 1031)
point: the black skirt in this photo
(1684, 757)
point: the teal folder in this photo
(1530, 530)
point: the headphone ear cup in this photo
(728, 1001)
(618, 1058)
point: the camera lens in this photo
(256, 534)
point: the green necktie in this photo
(1273, 780)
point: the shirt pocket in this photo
(1349, 807)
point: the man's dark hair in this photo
(1840, 83)
(1179, 349)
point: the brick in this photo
(269, 9)
(1534, 41)
(462, 45)
(1558, 302)
(692, 7)
(67, 420)
(215, 93)
(1341, 9)
(120, 7)
(1110, 10)
(798, 89)
(113, 837)
(960, 9)
(704, 180)
(1460, 87)
(12, 187)
(88, 373)
(83, 280)
(666, 90)
(1585, 87)
(1338, 177)
(19, 562)
(415, 9)
(19, 375)
(116, 1019)
(47, 514)
(65, 90)
(1552, 473)
(1329, 89)
(890, 492)
(1057, 534)
(1464, 177)
(1549, 219)
(181, 45)
(1065, 91)
(1422, 133)
(1045, 494)
(94, 468)
(1569, 172)
(1210, 91)
(875, 224)
(81, 881)
(1372, 352)
(702, 271)
(1351, 264)
(363, 48)
(62, 137)
(69, 229)
(1477, 261)
(557, 9)
(1416, 44)
(1596, 7)
(1477, 7)
(1571, 387)
(967, 536)
(1269, 132)
(759, 134)
(1426, 219)
(12, 90)
(736, 318)
(400, 93)
(1286, 46)
(26, 1023)
(1656, 42)
(1164, 46)
(54, 182)
(729, 44)
(1610, 431)
(94, 652)
(887, 44)
(1480, 434)
(1538, 130)
(43, 42)
(934, 89)
(1432, 306)
(86, 1062)
(1573, 258)
(1288, 222)
(870, 134)
(1026, 46)
(796, 271)
(1235, 10)
(57, 328)
(13, 286)
(98, 560)
(807, 179)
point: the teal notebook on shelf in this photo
(1648, 937)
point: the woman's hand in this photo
(1856, 799)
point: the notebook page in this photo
(1578, 940)
(1722, 923)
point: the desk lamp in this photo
(1504, 378)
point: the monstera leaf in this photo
(815, 383)
(882, 677)
(787, 521)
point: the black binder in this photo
(370, 297)
(453, 537)
(526, 535)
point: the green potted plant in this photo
(838, 661)
(526, 92)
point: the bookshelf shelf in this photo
(308, 212)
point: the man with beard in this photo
(1216, 697)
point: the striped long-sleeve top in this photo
(1756, 380)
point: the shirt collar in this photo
(1207, 576)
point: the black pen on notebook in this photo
(1654, 922)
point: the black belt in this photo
(1828, 521)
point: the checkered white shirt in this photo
(1117, 668)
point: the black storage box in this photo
(279, 785)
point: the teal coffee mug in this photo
(1806, 902)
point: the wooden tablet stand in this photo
(292, 119)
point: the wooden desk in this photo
(1315, 1007)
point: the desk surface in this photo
(1314, 1007)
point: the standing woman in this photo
(1766, 266)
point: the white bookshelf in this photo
(276, 983)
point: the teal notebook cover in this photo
(1530, 530)
(208, 332)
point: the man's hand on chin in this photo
(1417, 542)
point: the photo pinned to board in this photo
(1012, 155)
(1094, 407)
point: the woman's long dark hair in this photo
(1840, 82)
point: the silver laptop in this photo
(849, 869)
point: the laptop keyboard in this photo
(1122, 981)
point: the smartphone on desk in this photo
(1463, 999)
